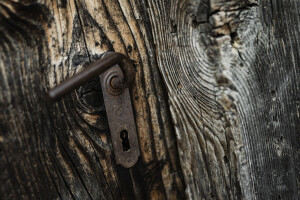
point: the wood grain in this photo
(232, 76)
(64, 151)
(225, 72)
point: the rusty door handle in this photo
(95, 69)
(116, 75)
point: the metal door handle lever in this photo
(95, 69)
(116, 75)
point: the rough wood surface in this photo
(64, 151)
(231, 73)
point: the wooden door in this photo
(216, 99)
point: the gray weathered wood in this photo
(232, 73)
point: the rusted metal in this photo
(120, 119)
(116, 75)
(96, 68)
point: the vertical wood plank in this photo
(232, 75)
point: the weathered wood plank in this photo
(63, 151)
(232, 73)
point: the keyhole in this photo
(125, 140)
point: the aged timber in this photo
(216, 99)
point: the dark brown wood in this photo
(64, 150)
(216, 99)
